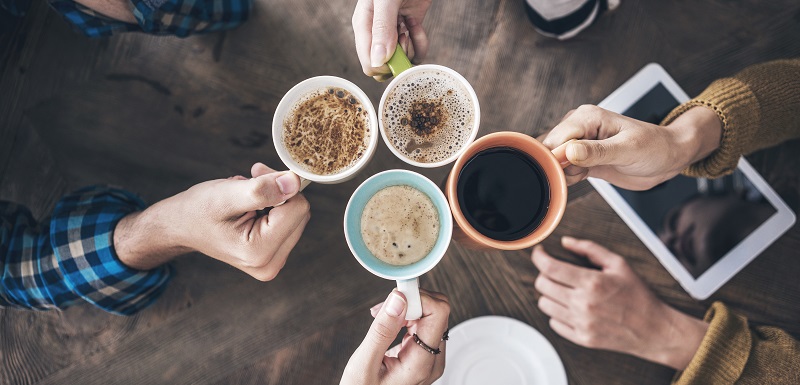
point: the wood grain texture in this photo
(158, 114)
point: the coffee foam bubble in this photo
(400, 225)
(326, 131)
(429, 116)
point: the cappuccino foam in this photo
(429, 116)
(400, 225)
(326, 131)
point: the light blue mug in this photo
(407, 276)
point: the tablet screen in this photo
(699, 220)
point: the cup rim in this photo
(476, 122)
(298, 91)
(446, 224)
(558, 189)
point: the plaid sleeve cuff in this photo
(81, 234)
(180, 18)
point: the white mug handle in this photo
(410, 288)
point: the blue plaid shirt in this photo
(161, 17)
(71, 258)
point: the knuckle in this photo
(305, 206)
(540, 284)
(381, 333)
(439, 372)
(588, 109)
(265, 275)
(546, 266)
(381, 27)
(594, 284)
(588, 339)
(444, 309)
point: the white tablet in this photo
(702, 230)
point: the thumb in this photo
(591, 153)
(384, 32)
(384, 329)
(263, 191)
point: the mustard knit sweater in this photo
(759, 107)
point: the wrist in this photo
(696, 134)
(677, 340)
(143, 240)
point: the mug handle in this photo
(399, 61)
(410, 288)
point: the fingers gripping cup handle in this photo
(410, 288)
(399, 61)
(560, 153)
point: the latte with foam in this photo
(400, 225)
(429, 116)
(327, 131)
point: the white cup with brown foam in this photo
(325, 130)
(429, 114)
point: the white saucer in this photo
(494, 350)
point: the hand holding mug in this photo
(380, 25)
(612, 308)
(408, 362)
(220, 218)
(629, 153)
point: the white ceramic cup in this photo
(403, 73)
(285, 107)
(407, 276)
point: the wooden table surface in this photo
(158, 114)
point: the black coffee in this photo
(503, 193)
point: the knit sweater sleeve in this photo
(734, 353)
(759, 107)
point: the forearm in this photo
(72, 256)
(757, 108)
(679, 339)
(145, 240)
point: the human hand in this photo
(630, 153)
(406, 363)
(220, 218)
(377, 24)
(612, 308)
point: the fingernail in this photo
(287, 183)
(578, 152)
(375, 308)
(394, 305)
(379, 54)
(567, 240)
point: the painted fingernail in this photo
(394, 305)
(287, 183)
(378, 55)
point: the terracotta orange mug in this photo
(551, 164)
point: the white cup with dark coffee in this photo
(325, 130)
(428, 114)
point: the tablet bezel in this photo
(737, 258)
